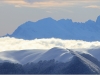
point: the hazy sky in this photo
(15, 12)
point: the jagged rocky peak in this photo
(90, 22)
(7, 35)
(28, 23)
(48, 19)
(98, 20)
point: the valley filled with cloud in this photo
(8, 43)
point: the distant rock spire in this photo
(98, 20)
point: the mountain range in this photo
(55, 60)
(63, 29)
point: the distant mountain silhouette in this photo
(64, 29)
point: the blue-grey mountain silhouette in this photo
(64, 29)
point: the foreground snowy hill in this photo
(53, 61)
(21, 56)
(84, 62)
(95, 53)
(64, 29)
(25, 56)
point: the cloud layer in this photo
(93, 6)
(49, 3)
(8, 43)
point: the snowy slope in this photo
(78, 62)
(58, 54)
(92, 66)
(25, 56)
(21, 56)
(64, 29)
(95, 53)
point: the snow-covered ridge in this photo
(35, 55)
(25, 56)
(63, 29)
(94, 68)
(74, 62)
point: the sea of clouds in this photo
(7, 43)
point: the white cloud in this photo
(93, 6)
(38, 3)
(8, 43)
(49, 3)
(48, 11)
(31, 1)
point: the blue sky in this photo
(15, 12)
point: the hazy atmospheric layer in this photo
(7, 43)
